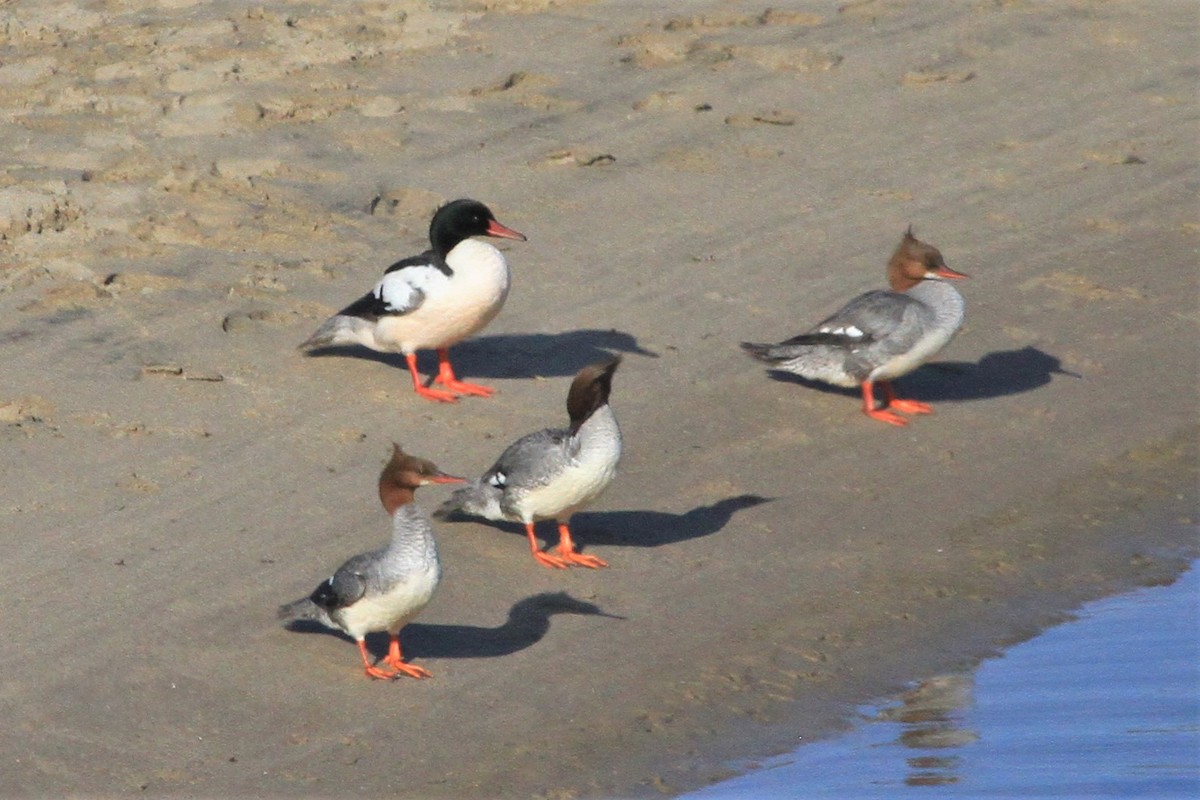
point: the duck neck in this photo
(599, 431)
(943, 299)
(412, 534)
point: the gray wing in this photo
(532, 460)
(878, 319)
(871, 316)
(347, 586)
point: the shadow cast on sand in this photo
(638, 528)
(997, 374)
(528, 622)
(658, 528)
(513, 355)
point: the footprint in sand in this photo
(525, 89)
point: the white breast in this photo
(391, 610)
(922, 351)
(586, 477)
(947, 307)
(454, 308)
(574, 488)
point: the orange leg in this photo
(545, 559)
(395, 660)
(421, 389)
(446, 378)
(881, 414)
(905, 406)
(566, 550)
(372, 670)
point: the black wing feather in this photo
(429, 258)
(831, 339)
(368, 307)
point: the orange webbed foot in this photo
(543, 558)
(591, 562)
(381, 674)
(411, 670)
(447, 378)
(463, 387)
(884, 415)
(425, 391)
(372, 670)
(881, 414)
(910, 406)
(904, 406)
(547, 560)
(436, 394)
(579, 559)
(567, 552)
(395, 660)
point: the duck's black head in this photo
(462, 219)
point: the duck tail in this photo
(338, 329)
(763, 352)
(303, 609)
(477, 499)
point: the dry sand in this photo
(189, 191)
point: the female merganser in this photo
(433, 300)
(880, 335)
(383, 589)
(553, 473)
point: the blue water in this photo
(1104, 707)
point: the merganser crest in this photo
(381, 590)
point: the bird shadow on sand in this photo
(1005, 372)
(512, 355)
(638, 528)
(528, 623)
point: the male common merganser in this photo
(383, 589)
(553, 473)
(880, 335)
(433, 300)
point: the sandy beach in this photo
(189, 191)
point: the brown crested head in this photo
(403, 474)
(914, 261)
(590, 390)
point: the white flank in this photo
(584, 480)
(393, 609)
(454, 307)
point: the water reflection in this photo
(933, 717)
(1102, 707)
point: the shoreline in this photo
(1109, 562)
(943, 729)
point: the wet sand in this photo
(190, 191)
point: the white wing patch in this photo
(398, 295)
(498, 480)
(405, 289)
(843, 330)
